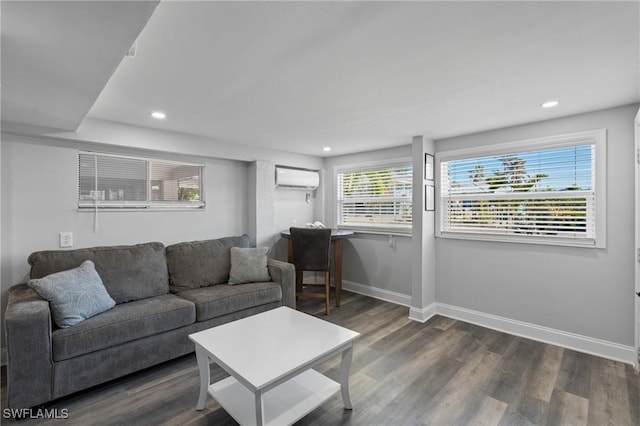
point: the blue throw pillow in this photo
(74, 295)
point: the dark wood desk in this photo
(337, 235)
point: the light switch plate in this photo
(66, 239)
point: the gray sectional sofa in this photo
(162, 294)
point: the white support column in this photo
(637, 264)
(262, 194)
(423, 275)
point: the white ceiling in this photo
(57, 57)
(354, 76)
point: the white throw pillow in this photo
(248, 265)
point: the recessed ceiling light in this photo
(158, 115)
(326, 149)
(550, 104)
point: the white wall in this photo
(291, 206)
(39, 199)
(584, 291)
(122, 135)
(288, 203)
(370, 266)
(39, 193)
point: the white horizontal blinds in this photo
(544, 193)
(113, 181)
(375, 198)
(110, 180)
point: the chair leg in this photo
(299, 281)
(327, 286)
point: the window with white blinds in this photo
(549, 191)
(378, 197)
(108, 181)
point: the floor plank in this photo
(542, 375)
(442, 372)
(573, 410)
(490, 412)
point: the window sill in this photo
(369, 231)
(140, 209)
(559, 241)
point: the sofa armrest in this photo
(27, 323)
(285, 274)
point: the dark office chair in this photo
(310, 249)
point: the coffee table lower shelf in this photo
(283, 405)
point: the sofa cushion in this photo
(123, 323)
(201, 263)
(219, 300)
(128, 272)
(248, 265)
(73, 295)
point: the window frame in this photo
(598, 138)
(142, 205)
(386, 229)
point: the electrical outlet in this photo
(66, 239)
(392, 241)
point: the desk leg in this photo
(337, 255)
(289, 250)
(205, 376)
(259, 408)
(345, 368)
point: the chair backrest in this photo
(310, 248)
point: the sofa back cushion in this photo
(128, 272)
(198, 264)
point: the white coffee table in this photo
(269, 357)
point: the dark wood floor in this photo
(443, 372)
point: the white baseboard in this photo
(424, 314)
(377, 293)
(589, 345)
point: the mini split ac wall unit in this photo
(297, 178)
